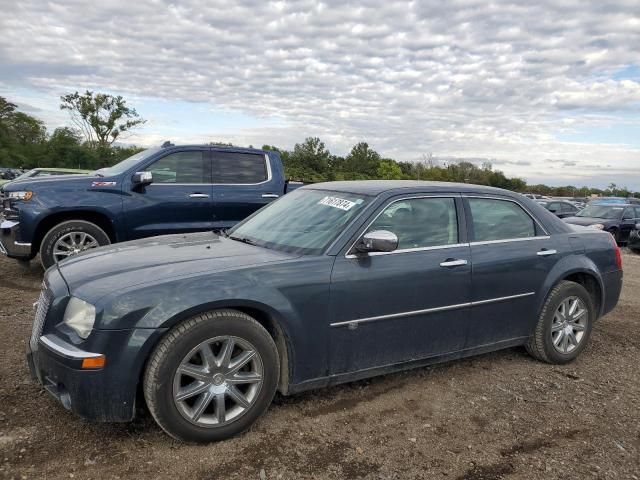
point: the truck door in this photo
(179, 200)
(243, 182)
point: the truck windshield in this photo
(601, 211)
(126, 164)
(303, 221)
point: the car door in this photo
(511, 255)
(627, 223)
(179, 199)
(568, 210)
(412, 303)
(242, 184)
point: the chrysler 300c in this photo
(331, 283)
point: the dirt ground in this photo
(501, 415)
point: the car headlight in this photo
(21, 195)
(599, 226)
(80, 316)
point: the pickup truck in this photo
(161, 190)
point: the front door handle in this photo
(545, 252)
(270, 195)
(453, 263)
(198, 195)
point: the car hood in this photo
(35, 183)
(587, 220)
(98, 272)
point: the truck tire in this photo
(564, 326)
(211, 376)
(70, 238)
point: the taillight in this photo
(618, 253)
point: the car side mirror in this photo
(140, 179)
(378, 241)
(638, 226)
(553, 210)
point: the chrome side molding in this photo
(356, 322)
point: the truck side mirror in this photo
(638, 226)
(140, 179)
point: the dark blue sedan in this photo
(331, 283)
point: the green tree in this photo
(389, 170)
(309, 160)
(362, 162)
(102, 118)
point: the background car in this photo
(560, 208)
(617, 219)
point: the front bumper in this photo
(104, 395)
(9, 240)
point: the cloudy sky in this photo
(547, 90)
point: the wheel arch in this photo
(262, 313)
(582, 271)
(99, 218)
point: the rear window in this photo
(231, 167)
(499, 220)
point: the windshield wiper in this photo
(242, 239)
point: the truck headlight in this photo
(80, 316)
(24, 195)
(599, 226)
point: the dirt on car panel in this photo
(498, 416)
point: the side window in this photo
(499, 220)
(239, 167)
(637, 210)
(554, 207)
(568, 208)
(628, 213)
(180, 167)
(420, 222)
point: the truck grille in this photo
(42, 307)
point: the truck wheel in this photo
(211, 376)
(564, 326)
(70, 238)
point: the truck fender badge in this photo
(103, 184)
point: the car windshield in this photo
(304, 221)
(601, 211)
(126, 164)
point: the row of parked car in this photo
(15, 174)
(331, 283)
(618, 216)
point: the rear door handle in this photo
(546, 253)
(453, 263)
(198, 195)
(270, 195)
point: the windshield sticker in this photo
(103, 184)
(336, 202)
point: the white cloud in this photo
(465, 78)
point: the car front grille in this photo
(42, 307)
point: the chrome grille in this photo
(42, 307)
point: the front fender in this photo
(567, 266)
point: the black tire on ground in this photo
(71, 226)
(158, 382)
(540, 345)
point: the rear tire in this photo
(190, 385)
(77, 235)
(563, 332)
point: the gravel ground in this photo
(501, 415)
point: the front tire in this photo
(70, 238)
(211, 376)
(564, 326)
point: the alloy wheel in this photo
(218, 381)
(569, 324)
(73, 243)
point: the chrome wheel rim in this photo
(569, 325)
(73, 243)
(218, 381)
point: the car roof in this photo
(376, 187)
